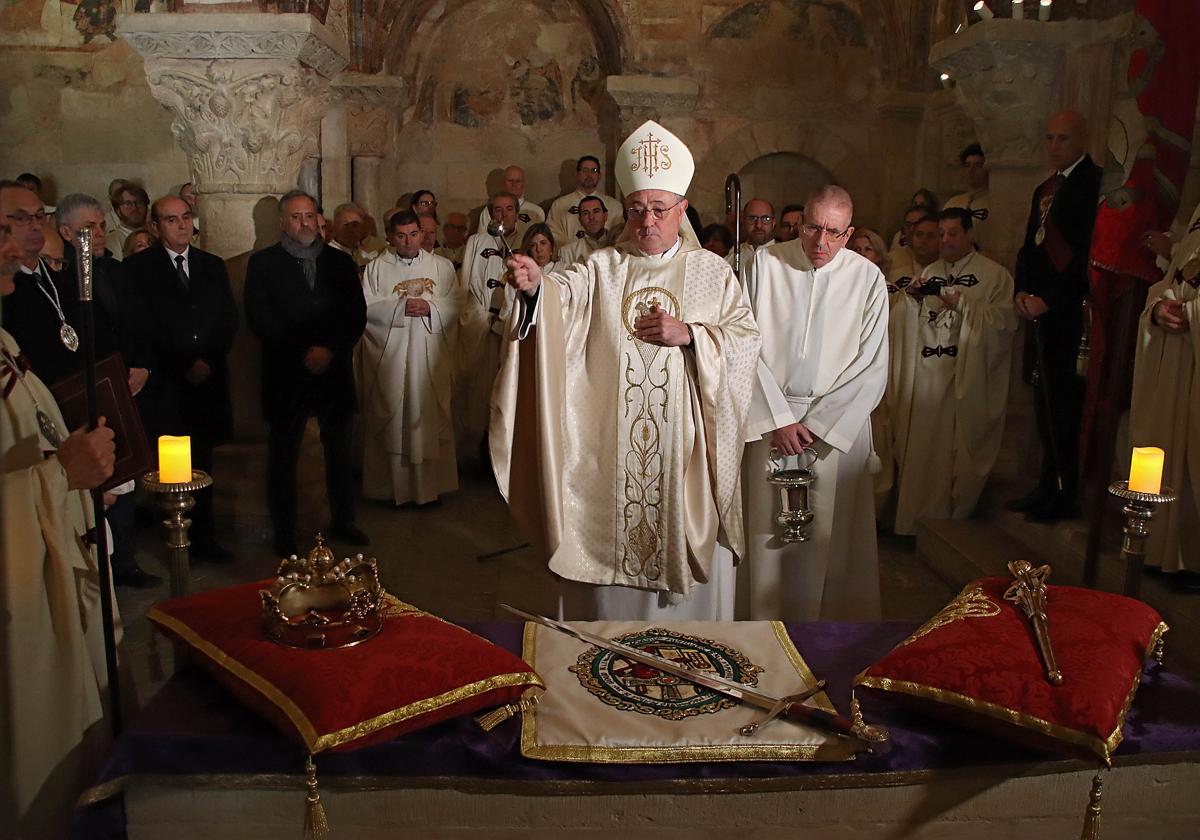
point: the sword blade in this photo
(721, 685)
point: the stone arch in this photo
(840, 149)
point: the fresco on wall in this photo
(815, 24)
(95, 18)
(529, 64)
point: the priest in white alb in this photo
(951, 347)
(758, 221)
(1165, 409)
(489, 300)
(563, 217)
(405, 369)
(619, 412)
(823, 311)
(592, 235)
(528, 213)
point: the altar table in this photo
(196, 764)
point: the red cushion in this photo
(418, 671)
(977, 662)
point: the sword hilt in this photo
(819, 719)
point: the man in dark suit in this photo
(1051, 281)
(305, 302)
(121, 326)
(192, 320)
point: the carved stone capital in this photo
(247, 91)
(296, 37)
(374, 89)
(246, 126)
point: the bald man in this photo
(823, 313)
(758, 222)
(528, 213)
(1050, 281)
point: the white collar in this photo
(184, 253)
(667, 254)
(1066, 173)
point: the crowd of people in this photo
(628, 390)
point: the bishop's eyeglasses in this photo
(638, 212)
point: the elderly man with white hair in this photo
(619, 412)
(823, 310)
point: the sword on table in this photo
(791, 707)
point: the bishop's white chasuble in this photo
(621, 458)
(824, 364)
(405, 368)
(948, 390)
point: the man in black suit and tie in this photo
(305, 302)
(1051, 280)
(192, 320)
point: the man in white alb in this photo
(528, 213)
(758, 221)
(592, 235)
(619, 412)
(906, 263)
(405, 367)
(977, 198)
(823, 314)
(563, 217)
(951, 348)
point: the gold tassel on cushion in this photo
(488, 722)
(1091, 820)
(315, 823)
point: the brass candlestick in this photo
(176, 500)
(1138, 510)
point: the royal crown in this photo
(316, 602)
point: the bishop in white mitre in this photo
(948, 390)
(823, 314)
(405, 369)
(619, 413)
(563, 217)
(489, 300)
(1165, 408)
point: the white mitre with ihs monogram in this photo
(652, 158)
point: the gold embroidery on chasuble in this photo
(970, 603)
(646, 407)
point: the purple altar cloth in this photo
(193, 728)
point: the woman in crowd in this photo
(539, 245)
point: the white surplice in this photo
(528, 214)
(621, 458)
(747, 252)
(405, 370)
(51, 626)
(1165, 407)
(824, 364)
(948, 389)
(578, 249)
(563, 217)
(489, 300)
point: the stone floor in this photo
(461, 557)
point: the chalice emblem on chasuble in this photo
(637, 687)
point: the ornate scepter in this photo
(83, 271)
(1029, 591)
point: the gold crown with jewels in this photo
(319, 603)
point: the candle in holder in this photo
(1018, 9)
(1145, 470)
(174, 459)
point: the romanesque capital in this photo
(373, 89)
(247, 92)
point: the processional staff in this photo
(83, 270)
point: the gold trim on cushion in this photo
(317, 742)
(840, 749)
(971, 602)
(1103, 748)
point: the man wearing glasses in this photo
(619, 411)
(132, 206)
(823, 311)
(564, 212)
(758, 220)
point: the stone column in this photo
(335, 158)
(641, 98)
(900, 116)
(247, 92)
(373, 103)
